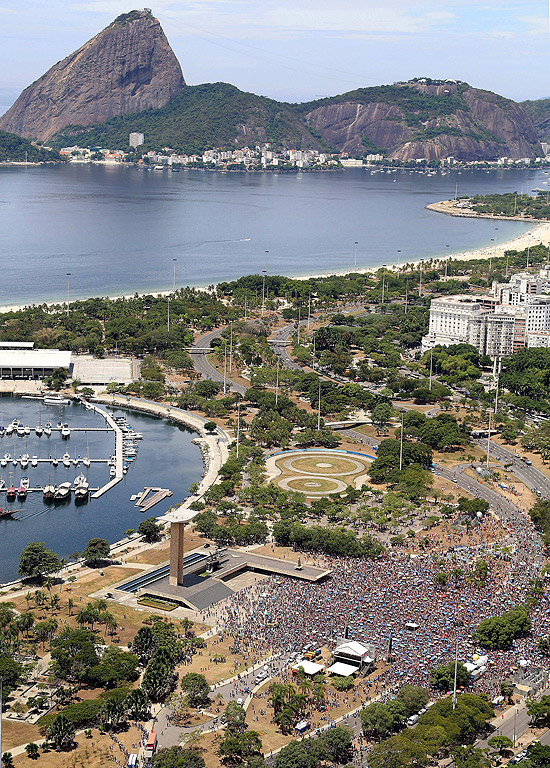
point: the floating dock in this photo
(145, 502)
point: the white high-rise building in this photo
(515, 316)
(136, 140)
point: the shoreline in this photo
(539, 232)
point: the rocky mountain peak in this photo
(128, 67)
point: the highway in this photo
(531, 477)
(202, 366)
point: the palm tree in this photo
(137, 704)
(319, 694)
(304, 685)
(112, 713)
(70, 604)
(61, 732)
(54, 603)
(25, 622)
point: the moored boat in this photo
(63, 492)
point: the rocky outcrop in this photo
(423, 121)
(126, 68)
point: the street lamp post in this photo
(319, 408)
(456, 674)
(401, 443)
(225, 368)
(238, 422)
(231, 348)
(68, 290)
(1, 713)
(263, 283)
(489, 439)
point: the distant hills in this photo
(14, 149)
(407, 121)
(127, 78)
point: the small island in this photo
(511, 206)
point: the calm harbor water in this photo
(166, 458)
(117, 230)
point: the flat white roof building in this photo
(32, 363)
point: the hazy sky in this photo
(301, 49)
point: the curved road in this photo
(202, 366)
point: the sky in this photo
(296, 50)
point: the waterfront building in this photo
(32, 363)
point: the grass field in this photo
(313, 485)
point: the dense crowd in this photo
(375, 600)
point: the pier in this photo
(118, 451)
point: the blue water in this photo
(117, 230)
(166, 458)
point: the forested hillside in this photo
(14, 149)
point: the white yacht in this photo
(66, 459)
(48, 431)
(34, 461)
(65, 431)
(56, 400)
(24, 461)
(81, 488)
(63, 492)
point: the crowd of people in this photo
(374, 600)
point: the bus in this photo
(151, 744)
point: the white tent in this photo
(345, 670)
(310, 668)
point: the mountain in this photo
(540, 114)
(426, 119)
(14, 149)
(128, 67)
(201, 117)
(406, 121)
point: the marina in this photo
(66, 525)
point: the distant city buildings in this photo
(136, 140)
(516, 315)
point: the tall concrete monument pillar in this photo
(176, 553)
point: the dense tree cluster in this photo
(439, 730)
(331, 541)
(499, 632)
(512, 204)
(442, 432)
(379, 720)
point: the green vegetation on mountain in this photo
(201, 117)
(404, 118)
(417, 107)
(14, 149)
(540, 114)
